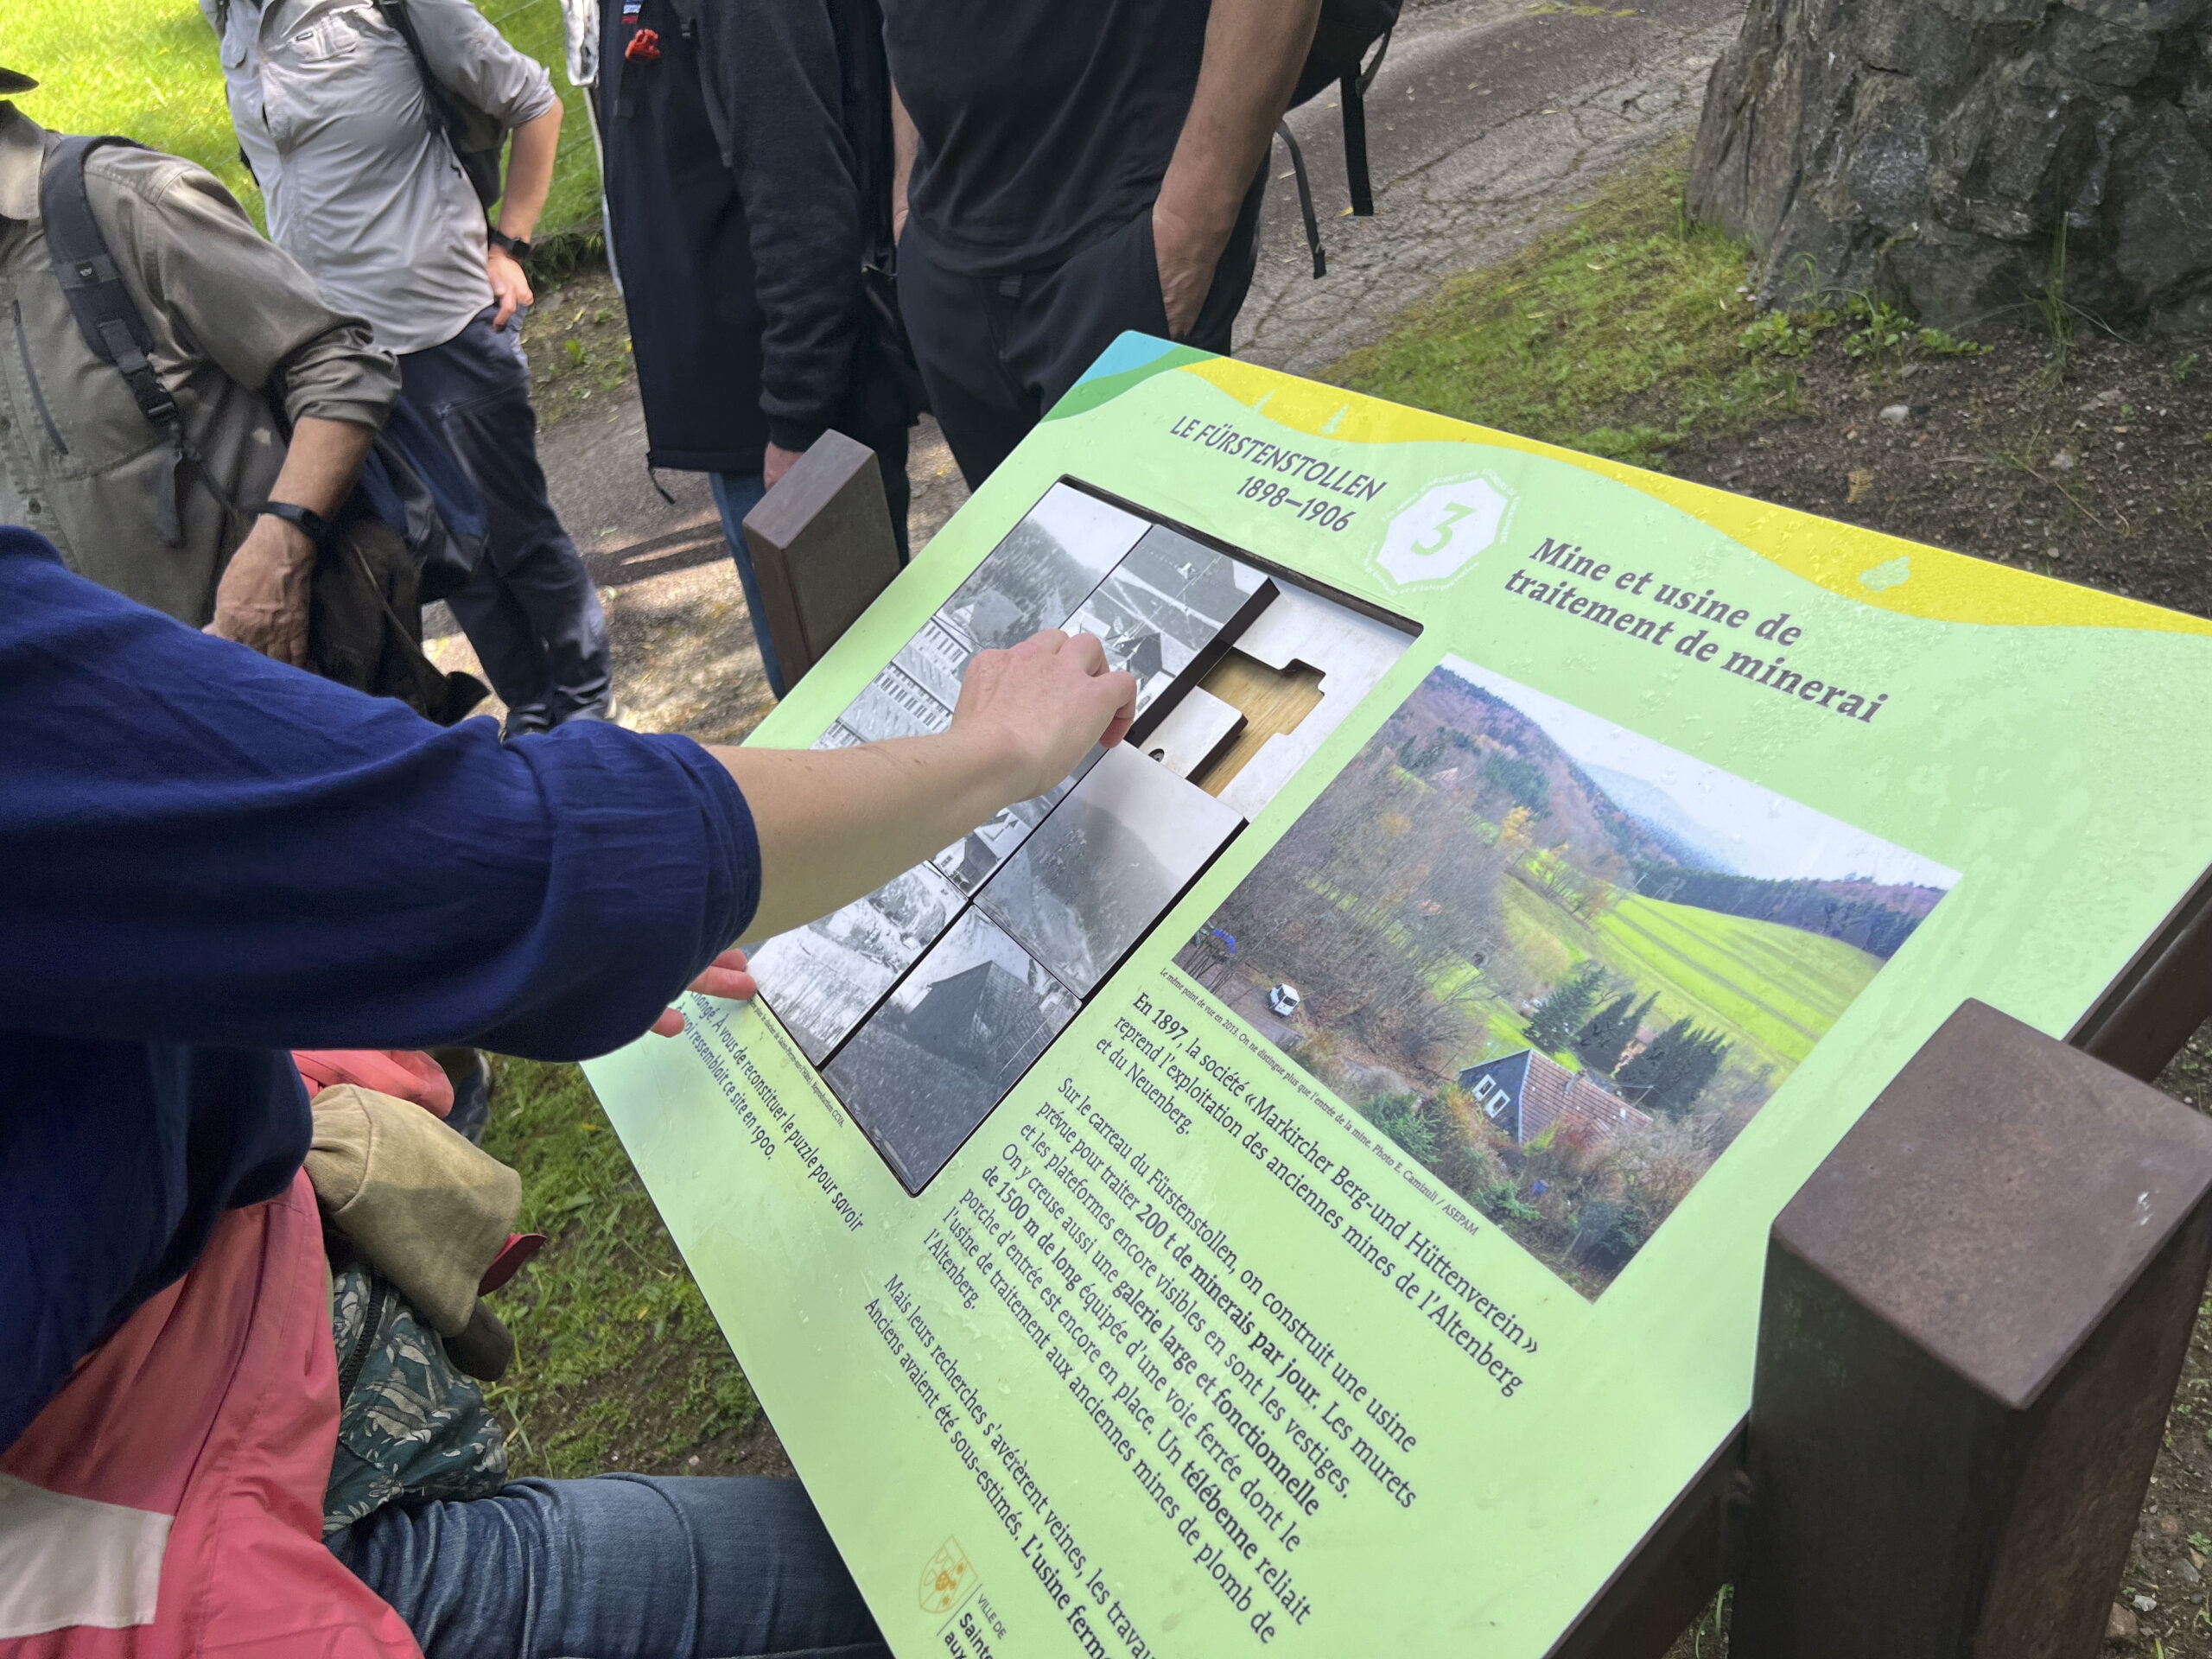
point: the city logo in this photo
(946, 1579)
(1438, 536)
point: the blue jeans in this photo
(624, 1566)
(531, 610)
(738, 493)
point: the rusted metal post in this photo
(1974, 1319)
(822, 549)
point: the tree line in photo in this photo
(1663, 1078)
(1876, 918)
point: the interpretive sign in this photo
(1303, 1184)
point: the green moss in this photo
(147, 69)
(1621, 334)
(618, 1362)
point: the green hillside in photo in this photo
(1779, 987)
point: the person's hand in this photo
(1037, 709)
(262, 601)
(509, 285)
(1186, 255)
(776, 461)
(726, 977)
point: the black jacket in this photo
(748, 176)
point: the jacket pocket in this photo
(31, 379)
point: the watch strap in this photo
(515, 246)
(311, 524)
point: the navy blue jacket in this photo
(207, 859)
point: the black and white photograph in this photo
(1104, 867)
(892, 705)
(932, 1063)
(1164, 603)
(968, 863)
(839, 736)
(821, 980)
(1043, 571)
(937, 660)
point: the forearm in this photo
(777, 71)
(905, 144)
(262, 601)
(322, 464)
(529, 174)
(835, 824)
(1254, 51)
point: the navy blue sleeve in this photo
(200, 845)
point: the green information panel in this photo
(1303, 1185)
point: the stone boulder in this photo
(1945, 154)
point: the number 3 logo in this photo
(1440, 534)
(1453, 512)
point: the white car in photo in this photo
(1285, 999)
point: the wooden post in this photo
(821, 550)
(1974, 1319)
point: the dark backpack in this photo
(411, 484)
(1338, 58)
(410, 481)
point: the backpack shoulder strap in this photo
(114, 328)
(106, 315)
(444, 118)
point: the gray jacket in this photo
(78, 463)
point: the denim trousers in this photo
(531, 610)
(623, 1566)
(738, 493)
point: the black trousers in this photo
(997, 351)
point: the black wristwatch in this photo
(311, 524)
(517, 248)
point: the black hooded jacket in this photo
(748, 176)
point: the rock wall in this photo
(1929, 151)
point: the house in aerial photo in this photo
(1526, 1095)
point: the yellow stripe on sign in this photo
(1884, 571)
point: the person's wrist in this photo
(1203, 218)
(996, 765)
(295, 531)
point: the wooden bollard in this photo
(821, 550)
(1974, 1318)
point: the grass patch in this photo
(147, 69)
(1621, 334)
(618, 1363)
(1780, 986)
(1774, 991)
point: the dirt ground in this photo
(2102, 476)
(2093, 465)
